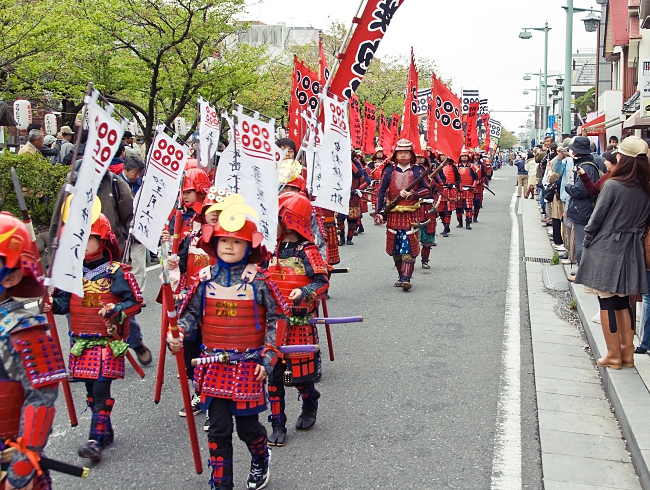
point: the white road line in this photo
(34, 304)
(506, 465)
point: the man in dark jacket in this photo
(580, 204)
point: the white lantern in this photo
(180, 126)
(22, 113)
(49, 121)
(140, 123)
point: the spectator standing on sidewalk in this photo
(531, 167)
(522, 175)
(580, 205)
(613, 265)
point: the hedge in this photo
(40, 181)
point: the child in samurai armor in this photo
(99, 327)
(479, 167)
(31, 364)
(235, 306)
(301, 274)
(450, 193)
(468, 179)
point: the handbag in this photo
(549, 192)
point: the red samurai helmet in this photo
(404, 145)
(17, 251)
(295, 212)
(197, 180)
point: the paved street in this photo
(411, 401)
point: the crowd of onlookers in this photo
(597, 210)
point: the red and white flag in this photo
(304, 96)
(471, 140)
(369, 127)
(370, 30)
(356, 128)
(410, 118)
(394, 130)
(445, 120)
(385, 137)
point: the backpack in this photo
(600, 172)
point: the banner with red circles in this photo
(104, 137)
(208, 133)
(336, 163)
(157, 197)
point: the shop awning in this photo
(595, 126)
(635, 121)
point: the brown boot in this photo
(613, 358)
(626, 334)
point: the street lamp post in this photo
(590, 26)
(524, 34)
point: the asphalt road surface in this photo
(411, 401)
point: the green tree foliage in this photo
(586, 103)
(508, 139)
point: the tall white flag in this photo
(156, 198)
(208, 133)
(104, 137)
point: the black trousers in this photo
(557, 231)
(249, 428)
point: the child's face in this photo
(212, 217)
(93, 245)
(231, 250)
(290, 154)
(189, 197)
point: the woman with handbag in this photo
(613, 262)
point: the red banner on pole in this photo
(410, 118)
(485, 119)
(444, 115)
(385, 137)
(394, 130)
(369, 127)
(370, 30)
(472, 135)
(356, 129)
(304, 95)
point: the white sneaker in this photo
(560, 248)
(567, 262)
(596, 318)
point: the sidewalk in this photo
(581, 443)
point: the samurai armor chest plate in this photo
(232, 319)
(12, 397)
(84, 318)
(398, 182)
(466, 178)
(97, 362)
(288, 274)
(42, 358)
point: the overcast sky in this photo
(474, 42)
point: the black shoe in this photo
(144, 355)
(341, 240)
(259, 475)
(445, 232)
(279, 435)
(91, 450)
(398, 284)
(474, 220)
(640, 350)
(360, 230)
(468, 226)
(349, 242)
(434, 244)
(196, 406)
(307, 419)
(356, 232)
(459, 225)
(108, 437)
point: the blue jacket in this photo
(521, 167)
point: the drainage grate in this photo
(537, 259)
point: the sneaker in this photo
(91, 450)
(259, 475)
(144, 354)
(560, 248)
(567, 262)
(596, 318)
(206, 424)
(196, 406)
(563, 256)
(425, 265)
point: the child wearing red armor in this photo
(235, 306)
(31, 364)
(468, 180)
(301, 274)
(99, 328)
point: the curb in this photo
(626, 390)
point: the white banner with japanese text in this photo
(156, 198)
(336, 163)
(104, 137)
(249, 166)
(208, 133)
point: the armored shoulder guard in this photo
(128, 275)
(31, 340)
(263, 275)
(315, 259)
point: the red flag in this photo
(485, 119)
(385, 137)
(322, 63)
(356, 129)
(304, 95)
(371, 27)
(394, 130)
(411, 103)
(472, 135)
(444, 115)
(369, 128)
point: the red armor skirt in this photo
(96, 363)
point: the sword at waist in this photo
(333, 321)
